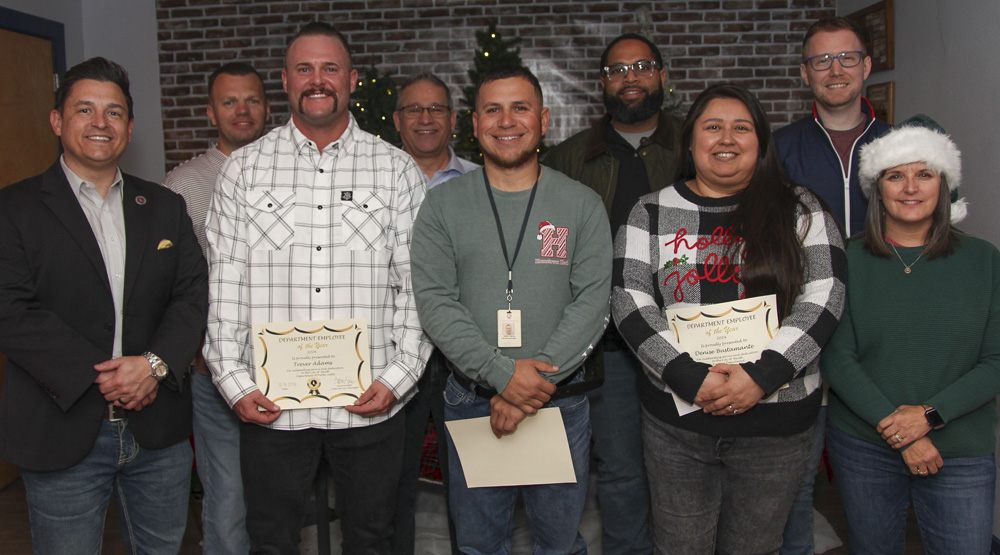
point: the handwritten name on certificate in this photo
(312, 364)
(724, 333)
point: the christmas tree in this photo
(493, 51)
(673, 102)
(373, 102)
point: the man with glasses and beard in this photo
(625, 154)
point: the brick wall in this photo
(752, 42)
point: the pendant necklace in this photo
(906, 267)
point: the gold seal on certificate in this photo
(725, 333)
(313, 364)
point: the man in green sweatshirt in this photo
(511, 270)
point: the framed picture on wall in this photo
(876, 22)
(883, 99)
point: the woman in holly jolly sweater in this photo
(723, 478)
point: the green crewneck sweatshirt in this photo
(929, 337)
(561, 277)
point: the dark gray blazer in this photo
(57, 317)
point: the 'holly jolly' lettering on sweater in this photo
(681, 251)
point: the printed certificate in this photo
(724, 333)
(728, 333)
(313, 364)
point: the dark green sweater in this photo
(930, 337)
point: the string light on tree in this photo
(492, 51)
(374, 104)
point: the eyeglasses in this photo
(413, 111)
(824, 62)
(642, 68)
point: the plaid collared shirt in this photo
(299, 234)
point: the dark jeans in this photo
(954, 507)
(279, 467)
(484, 517)
(798, 538)
(67, 507)
(429, 399)
(616, 425)
(724, 495)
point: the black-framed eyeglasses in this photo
(415, 110)
(642, 68)
(824, 62)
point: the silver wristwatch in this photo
(160, 368)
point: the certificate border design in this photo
(767, 317)
(357, 350)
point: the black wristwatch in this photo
(933, 418)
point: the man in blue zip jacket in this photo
(821, 153)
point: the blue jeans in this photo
(616, 423)
(954, 507)
(429, 399)
(279, 468)
(723, 495)
(798, 538)
(67, 507)
(484, 517)
(217, 450)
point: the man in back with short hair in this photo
(821, 152)
(425, 119)
(237, 107)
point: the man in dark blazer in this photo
(103, 303)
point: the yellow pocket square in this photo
(165, 244)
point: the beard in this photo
(513, 162)
(645, 109)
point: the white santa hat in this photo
(918, 139)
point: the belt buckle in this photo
(115, 413)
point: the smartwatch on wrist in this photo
(933, 418)
(160, 368)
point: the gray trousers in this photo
(725, 495)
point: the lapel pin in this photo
(140, 200)
(347, 195)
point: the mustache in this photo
(623, 90)
(316, 90)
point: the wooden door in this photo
(27, 144)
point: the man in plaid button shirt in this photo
(312, 222)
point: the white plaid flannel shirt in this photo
(299, 234)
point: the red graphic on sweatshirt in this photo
(717, 268)
(554, 241)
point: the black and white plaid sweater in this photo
(672, 253)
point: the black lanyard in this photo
(520, 237)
